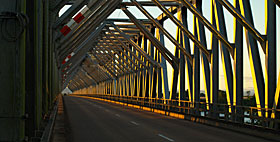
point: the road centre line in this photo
(166, 137)
(134, 123)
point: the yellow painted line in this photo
(172, 114)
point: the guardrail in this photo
(244, 115)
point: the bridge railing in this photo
(244, 115)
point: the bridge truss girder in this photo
(132, 52)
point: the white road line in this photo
(166, 137)
(117, 115)
(134, 123)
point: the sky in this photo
(258, 9)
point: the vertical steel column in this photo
(139, 73)
(127, 85)
(238, 67)
(158, 77)
(196, 73)
(114, 87)
(182, 63)
(12, 61)
(175, 73)
(38, 11)
(46, 102)
(226, 60)
(186, 45)
(145, 71)
(34, 69)
(124, 85)
(205, 61)
(132, 84)
(162, 71)
(270, 56)
(214, 74)
(152, 69)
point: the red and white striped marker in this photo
(64, 76)
(67, 67)
(68, 58)
(75, 21)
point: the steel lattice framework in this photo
(128, 57)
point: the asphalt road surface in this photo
(96, 121)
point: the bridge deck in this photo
(92, 120)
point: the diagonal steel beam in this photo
(244, 22)
(96, 82)
(149, 3)
(204, 21)
(163, 50)
(94, 7)
(86, 45)
(106, 44)
(128, 49)
(82, 79)
(164, 31)
(125, 20)
(79, 86)
(136, 46)
(112, 71)
(70, 13)
(89, 76)
(86, 78)
(112, 56)
(85, 32)
(106, 72)
(161, 18)
(75, 64)
(130, 59)
(116, 66)
(99, 74)
(183, 28)
(71, 76)
(89, 25)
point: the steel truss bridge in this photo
(125, 60)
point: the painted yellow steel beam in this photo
(207, 24)
(241, 19)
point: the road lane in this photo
(97, 121)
